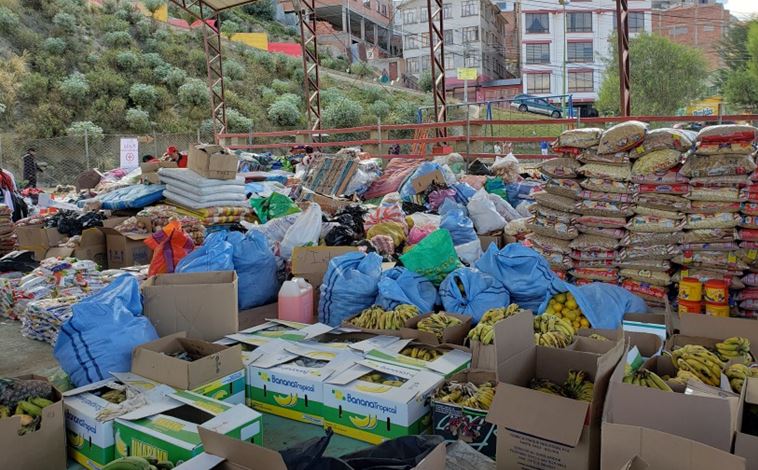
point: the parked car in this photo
(534, 104)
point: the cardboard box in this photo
(452, 335)
(648, 344)
(202, 304)
(217, 372)
(374, 412)
(454, 422)
(660, 450)
(453, 358)
(709, 418)
(286, 378)
(91, 247)
(212, 161)
(537, 429)
(39, 239)
(488, 239)
(256, 316)
(422, 182)
(278, 329)
(126, 249)
(361, 342)
(172, 434)
(225, 453)
(311, 262)
(44, 448)
(746, 445)
(720, 328)
(91, 440)
(150, 170)
(483, 356)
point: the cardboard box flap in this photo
(635, 463)
(550, 417)
(523, 321)
(720, 328)
(422, 182)
(434, 460)
(315, 259)
(238, 452)
(183, 279)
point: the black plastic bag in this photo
(352, 216)
(478, 168)
(307, 454)
(412, 208)
(18, 261)
(341, 235)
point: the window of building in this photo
(579, 52)
(384, 10)
(447, 11)
(581, 82)
(449, 37)
(537, 53)
(424, 39)
(636, 22)
(538, 83)
(449, 61)
(426, 63)
(367, 4)
(470, 8)
(679, 30)
(537, 23)
(409, 16)
(579, 22)
(423, 15)
(412, 65)
(470, 34)
(708, 29)
(378, 7)
(472, 61)
(411, 41)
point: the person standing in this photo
(31, 168)
(544, 147)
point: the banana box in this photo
(457, 422)
(89, 434)
(172, 435)
(259, 335)
(445, 360)
(286, 378)
(357, 341)
(374, 401)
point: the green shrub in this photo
(236, 122)
(330, 95)
(153, 60)
(228, 28)
(117, 39)
(54, 46)
(361, 69)
(263, 9)
(280, 86)
(106, 82)
(78, 128)
(291, 98)
(153, 5)
(65, 22)
(33, 87)
(342, 113)
(111, 23)
(374, 93)
(8, 20)
(175, 78)
(193, 93)
(284, 113)
(128, 12)
(127, 61)
(143, 29)
(268, 95)
(379, 109)
(233, 70)
(425, 82)
(138, 120)
(143, 95)
(75, 88)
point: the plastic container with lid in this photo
(716, 291)
(296, 301)
(690, 289)
(716, 310)
(685, 306)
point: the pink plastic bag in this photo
(436, 198)
(418, 233)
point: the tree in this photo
(284, 113)
(425, 82)
(75, 88)
(80, 128)
(8, 20)
(739, 80)
(193, 93)
(229, 28)
(665, 76)
(342, 113)
(138, 120)
(144, 96)
(741, 89)
(263, 9)
(237, 122)
(379, 109)
(65, 22)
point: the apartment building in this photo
(474, 35)
(575, 36)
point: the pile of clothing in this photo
(7, 231)
(153, 219)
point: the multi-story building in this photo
(474, 35)
(697, 23)
(575, 37)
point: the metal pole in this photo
(155, 144)
(565, 54)
(1, 151)
(379, 128)
(86, 147)
(468, 120)
(622, 30)
(198, 135)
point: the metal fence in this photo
(66, 157)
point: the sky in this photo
(742, 7)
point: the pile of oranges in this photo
(564, 305)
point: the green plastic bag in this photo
(434, 257)
(276, 205)
(496, 186)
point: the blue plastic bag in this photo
(99, 337)
(401, 286)
(463, 192)
(461, 228)
(603, 304)
(472, 292)
(215, 254)
(406, 189)
(350, 285)
(525, 273)
(450, 205)
(256, 269)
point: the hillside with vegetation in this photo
(112, 69)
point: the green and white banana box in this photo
(278, 329)
(343, 339)
(229, 389)
(286, 378)
(374, 401)
(450, 361)
(172, 433)
(89, 418)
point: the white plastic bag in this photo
(503, 207)
(484, 214)
(469, 252)
(305, 230)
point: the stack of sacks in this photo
(718, 169)
(552, 225)
(659, 213)
(7, 231)
(186, 188)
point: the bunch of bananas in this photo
(139, 463)
(564, 306)
(114, 396)
(420, 352)
(467, 394)
(29, 412)
(437, 323)
(384, 379)
(700, 361)
(684, 376)
(598, 337)
(576, 386)
(552, 331)
(484, 330)
(376, 318)
(738, 374)
(734, 348)
(646, 378)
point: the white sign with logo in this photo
(130, 153)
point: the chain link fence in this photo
(66, 157)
